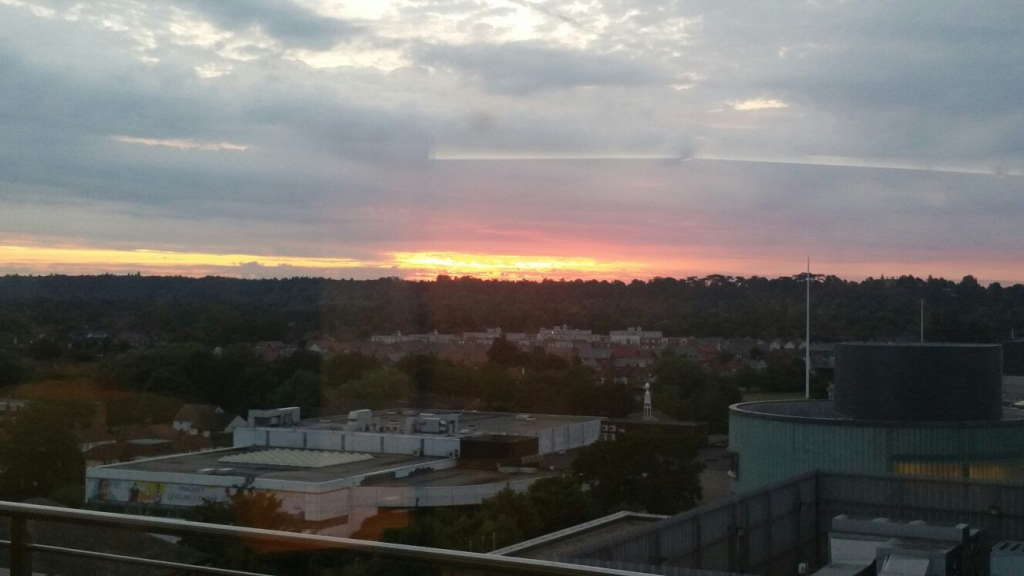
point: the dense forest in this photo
(221, 311)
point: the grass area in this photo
(64, 370)
(765, 396)
(122, 406)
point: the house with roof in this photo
(594, 356)
(271, 350)
(89, 438)
(205, 419)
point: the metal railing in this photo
(21, 548)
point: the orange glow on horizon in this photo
(412, 265)
(513, 267)
(427, 265)
(76, 256)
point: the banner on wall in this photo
(156, 493)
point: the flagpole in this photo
(807, 339)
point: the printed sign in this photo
(156, 493)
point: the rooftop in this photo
(476, 422)
(824, 412)
(213, 463)
(922, 344)
(460, 477)
(564, 542)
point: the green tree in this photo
(641, 469)
(39, 456)
(13, 369)
(302, 389)
(560, 502)
(503, 353)
(421, 369)
(247, 509)
(692, 392)
(508, 517)
(342, 368)
(44, 349)
(376, 389)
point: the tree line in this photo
(221, 311)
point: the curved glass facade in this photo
(775, 440)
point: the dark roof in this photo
(91, 435)
(106, 452)
(556, 545)
(92, 538)
(658, 418)
(131, 432)
(204, 417)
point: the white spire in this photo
(648, 413)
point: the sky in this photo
(512, 138)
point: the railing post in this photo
(21, 557)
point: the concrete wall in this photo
(569, 436)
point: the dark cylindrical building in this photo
(919, 382)
(1013, 358)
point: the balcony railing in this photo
(21, 548)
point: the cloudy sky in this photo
(515, 138)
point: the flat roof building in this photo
(333, 473)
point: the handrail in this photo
(21, 548)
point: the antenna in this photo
(807, 339)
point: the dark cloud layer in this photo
(122, 126)
(528, 67)
(280, 19)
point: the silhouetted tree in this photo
(39, 455)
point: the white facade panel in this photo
(545, 441)
(395, 444)
(443, 447)
(244, 437)
(361, 442)
(286, 438)
(324, 440)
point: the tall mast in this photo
(922, 320)
(807, 339)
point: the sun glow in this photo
(429, 264)
(412, 265)
(43, 257)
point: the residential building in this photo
(205, 420)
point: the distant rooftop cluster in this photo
(625, 355)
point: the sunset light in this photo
(186, 263)
(430, 264)
(412, 265)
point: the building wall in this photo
(370, 442)
(770, 530)
(770, 449)
(568, 436)
(613, 427)
(337, 509)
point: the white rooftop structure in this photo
(296, 458)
